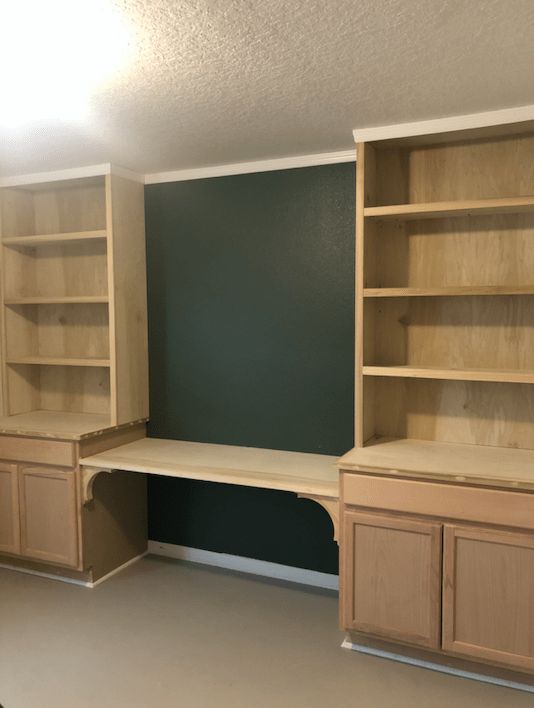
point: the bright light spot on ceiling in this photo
(55, 55)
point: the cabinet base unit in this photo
(45, 525)
(424, 565)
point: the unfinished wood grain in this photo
(128, 303)
(452, 333)
(461, 291)
(481, 251)
(492, 168)
(448, 462)
(478, 413)
(437, 210)
(445, 501)
(391, 578)
(58, 332)
(57, 207)
(47, 239)
(47, 452)
(488, 596)
(59, 425)
(361, 198)
(429, 372)
(48, 515)
(9, 509)
(303, 473)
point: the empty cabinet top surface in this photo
(473, 464)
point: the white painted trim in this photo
(73, 173)
(433, 666)
(117, 570)
(245, 565)
(242, 168)
(445, 125)
(73, 581)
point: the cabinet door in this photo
(48, 513)
(9, 509)
(391, 577)
(488, 595)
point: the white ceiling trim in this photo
(242, 168)
(445, 125)
(105, 168)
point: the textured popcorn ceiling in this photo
(220, 81)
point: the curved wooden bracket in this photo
(332, 507)
(89, 474)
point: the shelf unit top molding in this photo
(499, 121)
(100, 170)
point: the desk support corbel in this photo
(331, 506)
(89, 474)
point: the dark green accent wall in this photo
(251, 339)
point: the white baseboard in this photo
(432, 666)
(117, 570)
(72, 581)
(246, 565)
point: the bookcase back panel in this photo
(464, 251)
(472, 169)
(58, 388)
(498, 414)
(71, 331)
(79, 205)
(491, 332)
(67, 269)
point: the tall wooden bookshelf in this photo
(73, 300)
(445, 291)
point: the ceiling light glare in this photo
(55, 55)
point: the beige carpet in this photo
(164, 634)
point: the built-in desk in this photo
(308, 475)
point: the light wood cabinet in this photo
(48, 515)
(9, 509)
(488, 595)
(391, 577)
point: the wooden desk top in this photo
(302, 473)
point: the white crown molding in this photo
(487, 119)
(245, 565)
(242, 168)
(74, 173)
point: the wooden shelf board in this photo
(303, 473)
(54, 424)
(429, 372)
(460, 291)
(57, 361)
(450, 462)
(437, 210)
(47, 239)
(74, 300)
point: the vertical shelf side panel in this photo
(365, 195)
(127, 299)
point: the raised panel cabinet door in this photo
(391, 578)
(488, 595)
(9, 510)
(48, 515)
